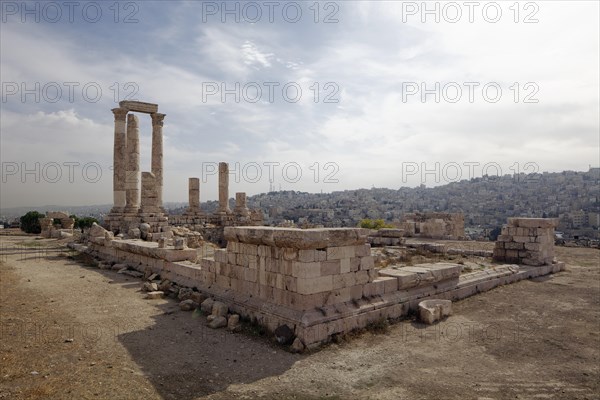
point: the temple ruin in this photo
(138, 195)
(313, 283)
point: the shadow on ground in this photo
(183, 358)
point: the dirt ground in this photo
(70, 331)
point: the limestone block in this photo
(96, 231)
(217, 322)
(534, 222)
(367, 263)
(344, 280)
(390, 284)
(433, 310)
(345, 266)
(405, 279)
(375, 288)
(331, 267)
(315, 285)
(139, 106)
(306, 270)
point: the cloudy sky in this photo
(314, 96)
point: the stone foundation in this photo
(318, 282)
(528, 241)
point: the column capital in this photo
(120, 113)
(157, 118)
(132, 119)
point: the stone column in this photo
(194, 196)
(149, 202)
(119, 158)
(132, 182)
(224, 188)
(157, 154)
(241, 208)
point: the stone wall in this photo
(528, 241)
(434, 225)
(318, 282)
(299, 269)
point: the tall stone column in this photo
(157, 154)
(224, 188)
(119, 158)
(194, 196)
(133, 178)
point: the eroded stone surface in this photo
(431, 311)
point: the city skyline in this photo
(361, 121)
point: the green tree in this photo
(374, 224)
(85, 222)
(30, 222)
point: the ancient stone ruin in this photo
(528, 241)
(138, 196)
(304, 285)
(434, 225)
(63, 229)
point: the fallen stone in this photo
(218, 322)
(185, 294)
(149, 287)
(144, 230)
(219, 309)
(207, 305)
(198, 297)
(152, 277)
(188, 305)
(155, 295)
(164, 285)
(297, 346)
(96, 230)
(233, 323)
(283, 334)
(134, 233)
(433, 310)
(118, 267)
(135, 274)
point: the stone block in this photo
(433, 310)
(340, 252)
(367, 263)
(250, 275)
(331, 267)
(345, 266)
(155, 295)
(362, 277)
(307, 255)
(521, 239)
(390, 284)
(344, 280)
(534, 222)
(290, 283)
(375, 288)
(514, 246)
(362, 250)
(306, 270)
(315, 285)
